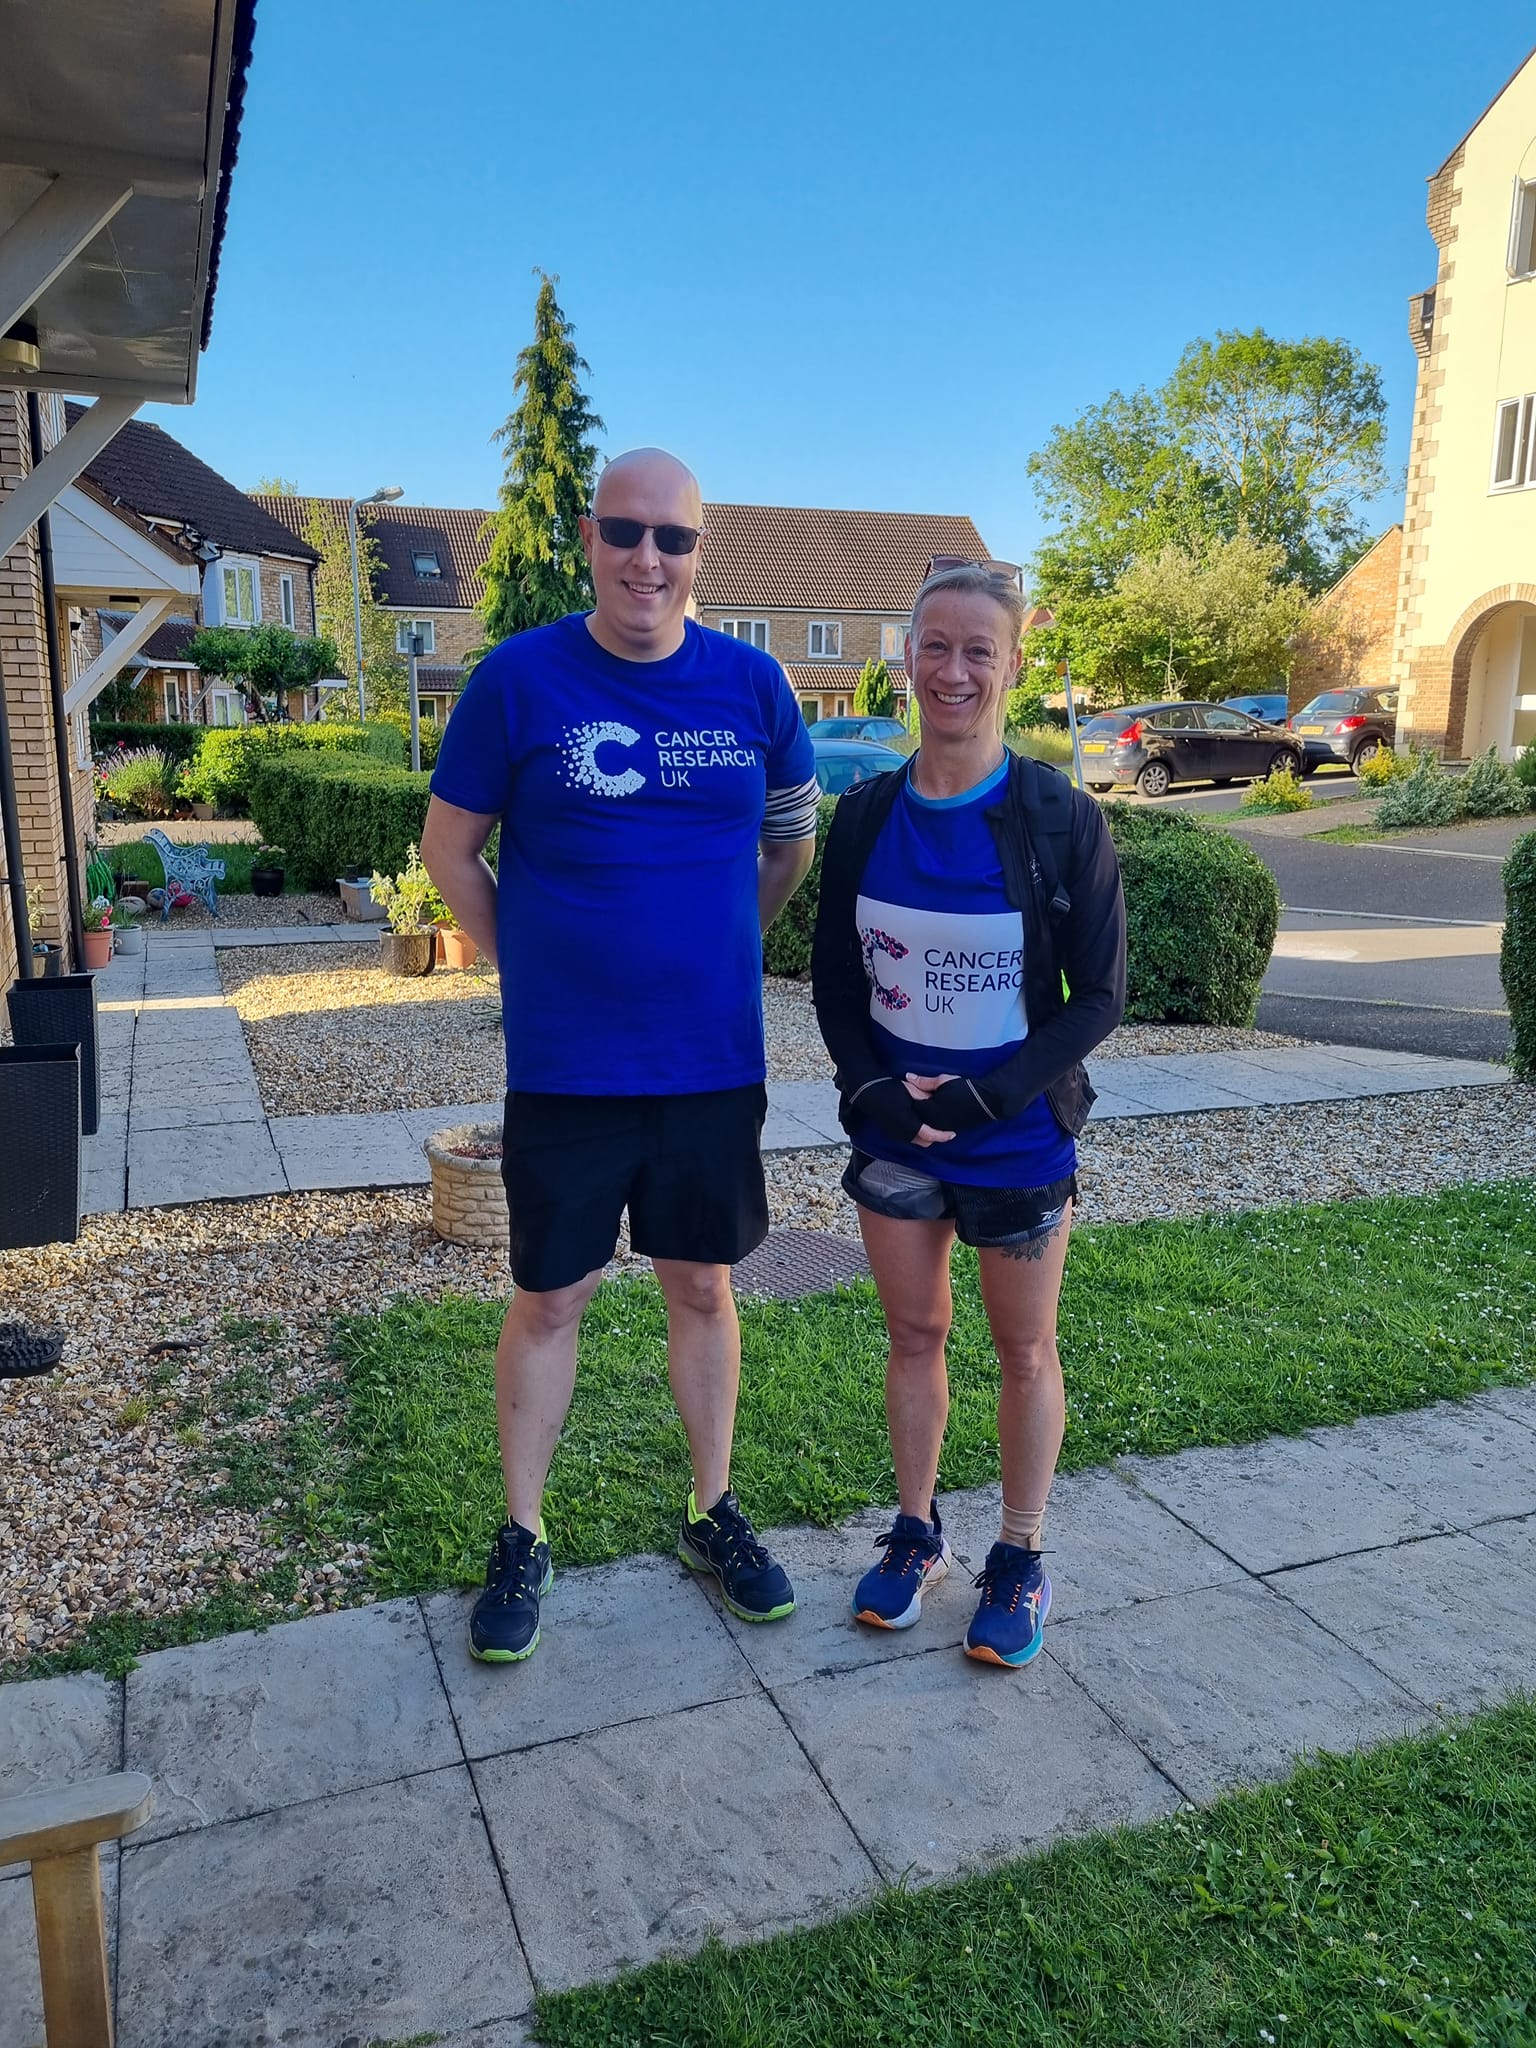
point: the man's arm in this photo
(782, 865)
(452, 851)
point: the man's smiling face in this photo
(642, 594)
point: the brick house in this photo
(254, 571)
(430, 560)
(824, 591)
(1364, 603)
(1464, 652)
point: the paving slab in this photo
(690, 1823)
(785, 1133)
(643, 1618)
(813, 1103)
(262, 1720)
(347, 1151)
(1452, 1619)
(824, 1566)
(966, 1764)
(1168, 1093)
(58, 1731)
(1515, 1404)
(421, 1124)
(1461, 1463)
(1229, 1685)
(202, 1163)
(1289, 1500)
(21, 1984)
(1111, 1103)
(320, 1922)
(241, 1106)
(1108, 1544)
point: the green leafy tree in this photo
(266, 661)
(874, 694)
(275, 487)
(536, 571)
(1224, 621)
(384, 667)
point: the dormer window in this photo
(426, 564)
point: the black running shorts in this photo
(688, 1167)
(987, 1218)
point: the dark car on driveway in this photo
(1270, 708)
(842, 763)
(881, 729)
(1346, 725)
(1157, 745)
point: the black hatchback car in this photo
(1346, 725)
(1157, 745)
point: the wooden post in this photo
(59, 1832)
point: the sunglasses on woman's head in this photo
(670, 540)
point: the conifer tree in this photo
(536, 571)
(874, 694)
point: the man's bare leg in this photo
(535, 1377)
(703, 1365)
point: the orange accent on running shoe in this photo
(876, 1620)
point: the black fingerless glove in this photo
(954, 1107)
(888, 1104)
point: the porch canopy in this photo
(118, 127)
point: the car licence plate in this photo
(1309, 728)
(1095, 746)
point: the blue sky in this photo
(833, 254)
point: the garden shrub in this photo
(430, 731)
(1426, 796)
(1276, 793)
(228, 758)
(1381, 769)
(177, 742)
(332, 811)
(1491, 789)
(1525, 770)
(1202, 911)
(141, 779)
(1517, 954)
(787, 941)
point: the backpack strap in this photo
(1048, 798)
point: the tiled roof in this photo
(157, 536)
(167, 643)
(403, 531)
(435, 677)
(795, 558)
(826, 678)
(143, 468)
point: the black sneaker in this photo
(504, 1626)
(723, 1542)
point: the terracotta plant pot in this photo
(98, 950)
(409, 952)
(455, 948)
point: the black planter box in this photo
(61, 1010)
(39, 1145)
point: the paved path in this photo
(182, 1118)
(359, 1832)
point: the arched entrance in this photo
(1493, 683)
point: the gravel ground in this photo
(104, 1491)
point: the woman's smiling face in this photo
(962, 658)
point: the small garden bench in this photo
(189, 870)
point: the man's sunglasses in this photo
(670, 540)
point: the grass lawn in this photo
(1215, 1331)
(1389, 1896)
(138, 857)
(1349, 835)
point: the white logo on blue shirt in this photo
(579, 746)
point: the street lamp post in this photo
(386, 496)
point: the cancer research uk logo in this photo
(679, 755)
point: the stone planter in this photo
(469, 1203)
(130, 938)
(409, 952)
(455, 948)
(204, 811)
(357, 901)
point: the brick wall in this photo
(788, 633)
(1361, 611)
(456, 634)
(272, 571)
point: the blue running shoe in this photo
(724, 1542)
(504, 1625)
(890, 1594)
(1009, 1624)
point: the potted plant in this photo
(410, 944)
(98, 934)
(455, 948)
(50, 961)
(267, 872)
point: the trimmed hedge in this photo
(1202, 911)
(787, 941)
(1517, 954)
(429, 732)
(332, 811)
(230, 755)
(178, 743)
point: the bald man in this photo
(653, 784)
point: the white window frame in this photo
(817, 633)
(753, 631)
(170, 695)
(840, 708)
(1520, 256)
(1514, 419)
(893, 639)
(287, 604)
(231, 703)
(238, 566)
(427, 628)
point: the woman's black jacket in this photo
(1060, 872)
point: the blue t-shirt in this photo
(630, 795)
(944, 952)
